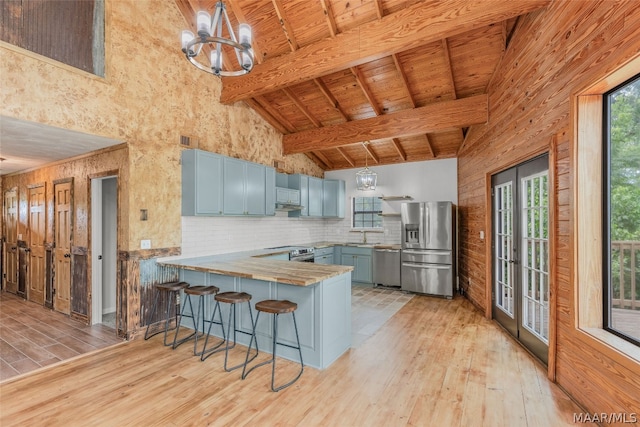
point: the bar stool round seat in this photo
(232, 298)
(275, 307)
(172, 286)
(201, 292)
(171, 290)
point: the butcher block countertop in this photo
(254, 265)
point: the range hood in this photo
(286, 207)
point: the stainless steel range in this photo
(301, 254)
(298, 253)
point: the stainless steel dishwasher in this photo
(386, 267)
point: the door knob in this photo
(67, 255)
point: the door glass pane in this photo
(622, 293)
(504, 247)
(535, 274)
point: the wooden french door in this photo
(520, 241)
(36, 248)
(63, 205)
(10, 269)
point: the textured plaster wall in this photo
(148, 98)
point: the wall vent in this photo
(188, 141)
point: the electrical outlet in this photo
(145, 244)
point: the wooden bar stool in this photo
(171, 290)
(232, 298)
(276, 307)
(201, 292)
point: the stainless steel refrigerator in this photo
(429, 247)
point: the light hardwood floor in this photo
(434, 363)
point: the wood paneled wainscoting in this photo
(137, 273)
(436, 362)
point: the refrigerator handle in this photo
(424, 252)
(427, 266)
(424, 225)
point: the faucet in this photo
(364, 236)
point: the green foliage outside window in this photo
(366, 212)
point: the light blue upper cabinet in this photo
(270, 191)
(320, 198)
(201, 183)
(255, 198)
(213, 184)
(315, 196)
(333, 198)
(234, 186)
(300, 182)
(244, 191)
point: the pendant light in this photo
(366, 179)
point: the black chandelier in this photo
(209, 30)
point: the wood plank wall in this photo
(35, 25)
(553, 53)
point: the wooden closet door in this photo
(36, 249)
(10, 258)
(63, 201)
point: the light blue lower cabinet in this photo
(323, 314)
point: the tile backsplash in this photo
(216, 235)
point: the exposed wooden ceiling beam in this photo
(303, 108)
(187, 11)
(414, 26)
(332, 99)
(405, 79)
(346, 157)
(284, 23)
(399, 149)
(430, 118)
(323, 158)
(276, 114)
(257, 51)
(328, 14)
(370, 152)
(449, 68)
(378, 6)
(365, 89)
(315, 159)
(429, 145)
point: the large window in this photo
(621, 196)
(366, 212)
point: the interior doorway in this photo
(520, 246)
(104, 250)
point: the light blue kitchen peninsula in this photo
(322, 292)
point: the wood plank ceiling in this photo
(408, 76)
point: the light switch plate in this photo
(145, 244)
